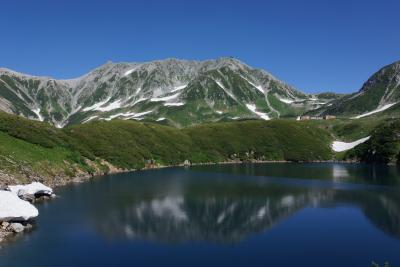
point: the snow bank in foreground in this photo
(374, 111)
(13, 208)
(31, 189)
(338, 146)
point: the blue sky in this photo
(314, 45)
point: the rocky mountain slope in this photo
(379, 95)
(176, 92)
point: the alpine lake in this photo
(277, 214)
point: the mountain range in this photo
(182, 93)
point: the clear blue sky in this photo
(314, 45)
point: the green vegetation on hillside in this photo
(48, 152)
(348, 130)
(382, 147)
(36, 150)
(272, 140)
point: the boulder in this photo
(12, 208)
(4, 225)
(17, 227)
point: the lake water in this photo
(229, 215)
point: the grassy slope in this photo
(129, 144)
(272, 140)
(37, 150)
(31, 148)
(348, 130)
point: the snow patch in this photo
(37, 112)
(226, 90)
(178, 88)
(287, 101)
(253, 109)
(339, 146)
(219, 112)
(165, 98)
(13, 208)
(128, 115)
(258, 87)
(375, 111)
(129, 72)
(139, 100)
(176, 104)
(161, 119)
(114, 105)
(97, 105)
(31, 189)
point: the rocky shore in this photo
(17, 212)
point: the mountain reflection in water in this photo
(225, 208)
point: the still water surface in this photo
(229, 215)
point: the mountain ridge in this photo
(183, 92)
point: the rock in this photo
(24, 195)
(4, 225)
(17, 227)
(12, 208)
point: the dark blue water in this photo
(231, 215)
